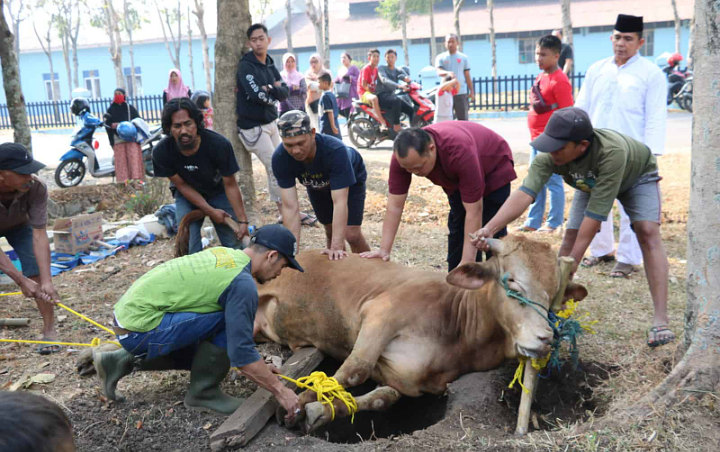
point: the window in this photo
(526, 50)
(92, 82)
(360, 54)
(52, 87)
(138, 81)
(648, 49)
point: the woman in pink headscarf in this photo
(296, 84)
(176, 87)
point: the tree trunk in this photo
(190, 55)
(233, 20)
(433, 38)
(403, 28)
(288, 25)
(65, 41)
(48, 53)
(113, 30)
(176, 41)
(698, 373)
(316, 19)
(200, 19)
(326, 34)
(11, 84)
(73, 44)
(677, 25)
(493, 58)
(566, 22)
(457, 5)
(129, 27)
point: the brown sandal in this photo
(622, 270)
(592, 261)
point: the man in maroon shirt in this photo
(474, 166)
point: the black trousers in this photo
(456, 223)
(391, 104)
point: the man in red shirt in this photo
(366, 84)
(555, 93)
(474, 166)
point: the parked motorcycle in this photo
(81, 157)
(364, 127)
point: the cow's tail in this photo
(182, 239)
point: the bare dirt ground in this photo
(477, 413)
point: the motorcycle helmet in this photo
(127, 131)
(78, 105)
(674, 59)
(199, 98)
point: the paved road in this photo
(50, 145)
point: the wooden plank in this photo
(254, 413)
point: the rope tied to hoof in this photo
(93, 343)
(327, 389)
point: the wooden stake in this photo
(15, 322)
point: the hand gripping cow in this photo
(411, 331)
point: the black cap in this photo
(15, 157)
(626, 23)
(279, 238)
(566, 124)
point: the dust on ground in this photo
(478, 412)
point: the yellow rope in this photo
(94, 343)
(327, 389)
(519, 375)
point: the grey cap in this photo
(294, 123)
(565, 124)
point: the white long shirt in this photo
(631, 99)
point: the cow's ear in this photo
(575, 292)
(471, 276)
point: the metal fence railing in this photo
(57, 113)
(509, 93)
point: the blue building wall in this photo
(155, 63)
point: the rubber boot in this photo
(111, 367)
(209, 367)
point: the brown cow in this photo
(411, 331)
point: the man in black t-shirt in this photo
(566, 54)
(201, 167)
(334, 176)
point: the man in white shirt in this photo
(626, 93)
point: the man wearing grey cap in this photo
(602, 165)
(334, 176)
(23, 222)
(197, 312)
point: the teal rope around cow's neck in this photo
(526, 301)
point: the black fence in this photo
(509, 93)
(57, 114)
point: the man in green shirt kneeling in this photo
(601, 165)
(197, 312)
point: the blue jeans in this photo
(557, 202)
(20, 239)
(177, 330)
(225, 234)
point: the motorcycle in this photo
(364, 127)
(679, 82)
(81, 157)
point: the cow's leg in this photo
(318, 414)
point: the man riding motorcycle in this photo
(388, 78)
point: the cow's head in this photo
(533, 272)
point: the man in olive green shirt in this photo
(601, 165)
(201, 307)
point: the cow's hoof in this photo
(280, 414)
(316, 416)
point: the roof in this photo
(509, 18)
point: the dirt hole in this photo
(406, 416)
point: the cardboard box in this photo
(76, 234)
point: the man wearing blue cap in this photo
(602, 165)
(23, 222)
(201, 306)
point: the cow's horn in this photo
(496, 246)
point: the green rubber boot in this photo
(209, 367)
(111, 367)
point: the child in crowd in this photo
(551, 91)
(444, 103)
(367, 82)
(328, 123)
(33, 423)
(202, 100)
